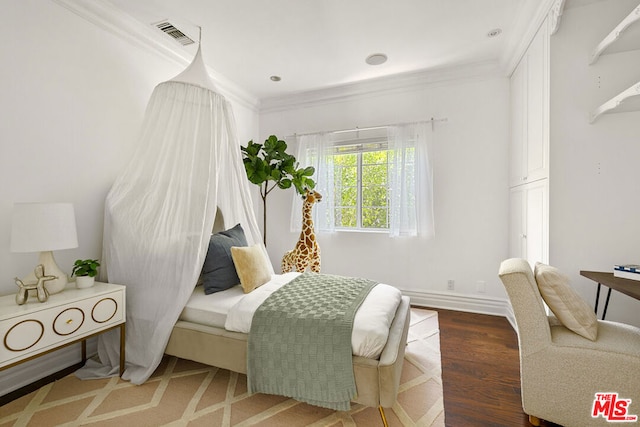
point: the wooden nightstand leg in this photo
(122, 346)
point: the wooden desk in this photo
(626, 286)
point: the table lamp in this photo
(44, 227)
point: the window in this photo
(360, 186)
(371, 182)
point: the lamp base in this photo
(50, 269)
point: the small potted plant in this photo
(85, 272)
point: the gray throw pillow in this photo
(218, 271)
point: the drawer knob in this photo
(70, 321)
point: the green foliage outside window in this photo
(360, 190)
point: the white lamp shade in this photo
(38, 227)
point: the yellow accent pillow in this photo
(566, 304)
(251, 266)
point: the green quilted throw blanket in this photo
(300, 340)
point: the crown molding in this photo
(106, 16)
(555, 14)
(382, 85)
(531, 18)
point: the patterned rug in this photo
(185, 393)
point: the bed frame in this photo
(377, 380)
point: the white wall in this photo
(470, 154)
(595, 174)
(73, 98)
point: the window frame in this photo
(359, 147)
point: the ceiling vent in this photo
(170, 29)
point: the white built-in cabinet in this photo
(529, 152)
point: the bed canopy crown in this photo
(196, 73)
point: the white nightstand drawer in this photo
(105, 310)
(68, 321)
(36, 327)
(23, 335)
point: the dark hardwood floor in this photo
(480, 371)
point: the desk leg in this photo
(122, 347)
(597, 298)
(606, 304)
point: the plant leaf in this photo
(284, 184)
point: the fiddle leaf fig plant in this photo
(269, 166)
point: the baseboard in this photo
(469, 303)
(511, 317)
(29, 372)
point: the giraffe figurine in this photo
(306, 252)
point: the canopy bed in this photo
(215, 329)
(377, 378)
(185, 172)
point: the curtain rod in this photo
(357, 129)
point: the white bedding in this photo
(233, 310)
(371, 323)
(211, 310)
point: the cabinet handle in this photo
(70, 321)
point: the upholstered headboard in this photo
(218, 222)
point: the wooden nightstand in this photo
(33, 329)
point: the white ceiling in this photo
(315, 44)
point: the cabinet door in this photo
(537, 128)
(518, 90)
(529, 222)
(517, 224)
(529, 95)
(536, 218)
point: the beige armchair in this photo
(561, 371)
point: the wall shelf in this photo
(614, 35)
(616, 102)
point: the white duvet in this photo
(371, 323)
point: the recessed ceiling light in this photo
(494, 33)
(275, 78)
(376, 59)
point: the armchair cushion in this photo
(570, 309)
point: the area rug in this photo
(185, 393)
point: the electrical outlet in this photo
(481, 286)
(450, 284)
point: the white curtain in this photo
(160, 212)
(410, 180)
(316, 150)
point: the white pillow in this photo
(570, 309)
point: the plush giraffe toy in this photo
(306, 252)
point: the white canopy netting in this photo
(160, 212)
